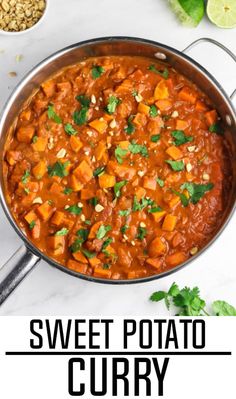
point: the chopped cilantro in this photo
(124, 228)
(124, 212)
(70, 130)
(81, 117)
(26, 190)
(120, 154)
(32, 224)
(160, 182)
(76, 246)
(196, 191)
(106, 266)
(216, 128)
(155, 138)
(58, 169)
(35, 139)
(99, 171)
(153, 112)
(25, 176)
(75, 209)
(130, 126)
(62, 232)
(180, 137)
(138, 149)
(112, 104)
(52, 114)
(88, 222)
(97, 71)
(88, 254)
(107, 242)
(118, 186)
(83, 100)
(164, 74)
(142, 232)
(139, 206)
(67, 191)
(102, 231)
(184, 200)
(134, 93)
(176, 165)
(93, 201)
(83, 234)
(155, 209)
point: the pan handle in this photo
(218, 44)
(15, 270)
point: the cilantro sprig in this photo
(164, 74)
(180, 137)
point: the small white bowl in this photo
(14, 33)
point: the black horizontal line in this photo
(124, 353)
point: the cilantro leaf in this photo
(67, 191)
(184, 200)
(118, 186)
(70, 130)
(155, 209)
(142, 232)
(138, 149)
(124, 212)
(164, 74)
(52, 114)
(158, 296)
(180, 137)
(196, 191)
(216, 128)
(130, 126)
(93, 201)
(112, 104)
(139, 206)
(25, 176)
(155, 138)
(153, 112)
(63, 232)
(80, 117)
(97, 71)
(120, 154)
(75, 209)
(83, 100)
(124, 228)
(99, 171)
(83, 234)
(176, 165)
(102, 231)
(32, 224)
(222, 308)
(76, 246)
(58, 169)
(107, 242)
(88, 254)
(160, 182)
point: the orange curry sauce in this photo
(117, 168)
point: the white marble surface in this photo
(50, 292)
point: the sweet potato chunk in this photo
(76, 266)
(56, 244)
(25, 133)
(161, 91)
(169, 223)
(75, 143)
(45, 211)
(156, 248)
(175, 259)
(106, 181)
(174, 152)
(39, 170)
(83, 172)
(58, 218)
(99, 124)
(40, 144)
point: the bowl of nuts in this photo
(19, 16)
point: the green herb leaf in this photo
(70, 130)
(81, 117)
(58, 169)
(155, 209)
(83, 100)
(184, 200)
(158, 296)
(88, 254)
(32, 224)
(99, 171)
(164, 74)
(75, 209)
(139, 206)
(76, 246)
(97, 71)
(196, 191)
(62, 232)
(160, 182)
(83, 234)
(120, 153)
(155, 138)
(216, 128)
(142, 232)
(176, 165)
(180, 137)
(52, 114)
(102, 231)
(106, 266)
(93, 201)
(222, 308)
(124, 228)
(118, 186)
(138, 149)
(107, 242)
(35, 139)
(25, 176)
(124, 212)
(130, 126)
(153, 112)
(112, 104)
(67, 191)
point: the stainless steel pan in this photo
(24, 260)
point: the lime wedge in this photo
(189, 12)
(222, 13)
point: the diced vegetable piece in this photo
(77, 267)
(186, 94)
(161, 91)
(181, 125)
(140, 193)
(80, 257)
(25, 134)
(149, 183)
(164, 105)
(39, 169)
(55, 188)
(106, 181)
(156, 248)
(158, 216)
(87, 193)
(125, 172)
(83, 172)
(94, 262)
(94, 229)
(124, 144)
(169, 223)
(174, 201)
(75, 184)
(30, 217)
(200, 106)
(154, 126)
(40, 144)
(45, 211)
(99, 124)
(13, 157)
(175, 259)
(48, 88)
(75, 143)
(154, 262)
(100, 272)
(139, 119)
(174, 152)
(26, 115)
(100, 150)
(143, 108)
(56, 244)
(211, 117)
(57, 218)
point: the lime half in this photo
(189, 12)
(222, 13)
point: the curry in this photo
(118, 168)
